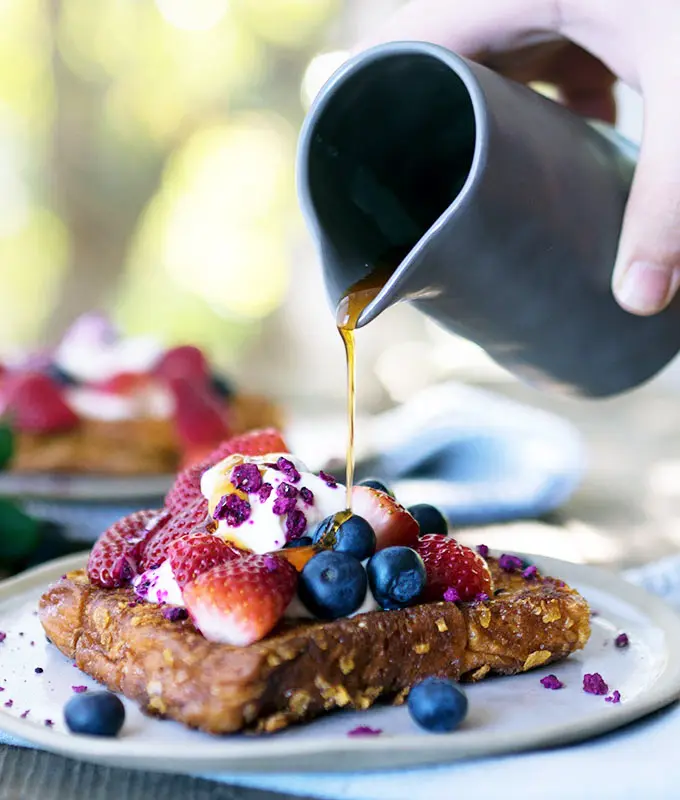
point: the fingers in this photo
(647, 273)
(469, 27)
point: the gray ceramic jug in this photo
(496, 210)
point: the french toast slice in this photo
(306, 668)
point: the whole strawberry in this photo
(199, 417)
(187, 486)
(195, 554)
(454, 572)
(114, 559)
(35, 404)
(185, 362)
(155, 549)
(241, 601)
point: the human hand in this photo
(582, 47)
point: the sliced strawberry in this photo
(36, 404)
(199, 417)
(155, 548)
(186, 363)
(126, 383)
(114, 558)
(239, 602)
(195, 554)
(187, 486)
(452, 569)
(392, 523)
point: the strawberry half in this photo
(199, 417)
(114, 558)
(185, 362)
(452, 566)
(195, 554)
(155, 548)
(187, 486)
(392, 523)
(36, 405)
(241, 601)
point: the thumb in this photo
(647, 272)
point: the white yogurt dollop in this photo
(158, 586)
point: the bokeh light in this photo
(319, 70)
(193, 15)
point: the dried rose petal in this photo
(530, 572)
(265, 490)
(551, 682)
(289, 469)
(49, 723)
(175, 613)
(296, 524)
(38, 670)
(9, 704)
(451, 595)
(329, 480)
(307, 495)
(234, 510)
(271, 562)
(594, 684)
(615, 697)
(79, 689)
(282, 505)
(364, 730)
(483, 550)
(482, 597)
(621, 640)
(25, 713)
(510, 563)
(286, 490)
(3, 636)
(247, 477)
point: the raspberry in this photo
(114, 558)
(154, 550)
(452, 569)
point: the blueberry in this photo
(354, 536)
(332, 585)
(302, 541)
(438, 705)
(430, 519)
(60, 376)
(396, 576)
(95, 713)
(222, 387)
(374, 483)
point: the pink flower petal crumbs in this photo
(283, 505)
(79, 689)
(510, 563)
(307, 496)
(265, 490)
(551, 682)
(594, 684)
(621, 640)
(9, 704)
(364, 730)
(175, 613)
(286, 490)
(451, 595)
(615, 697)
(329, 480)
(49, 723)
(289, 469)
(530, 572)
(247, 478)
(24, 714)
(482, 597)
(3, 636)
(233, 509)
(296, 524)
(483, 550)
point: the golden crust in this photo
(307, 668)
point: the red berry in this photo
(241, 601)
(187, 486)
(36, 405)
(114, 558)
(199, 418)
(392, 523)
(195, 554)
(185, 362)
(126, 383)
(451, 565)
(155, 549)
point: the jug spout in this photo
(495, 211)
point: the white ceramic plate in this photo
(506, 714)
(85, 488)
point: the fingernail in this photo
(646, 288)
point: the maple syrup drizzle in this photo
(347, 315)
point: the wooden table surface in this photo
(627, 512)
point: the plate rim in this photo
(83, 488)
(274, 754)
